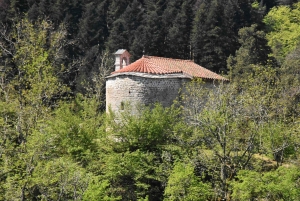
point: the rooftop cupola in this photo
(122, 59)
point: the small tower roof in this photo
(121, 51)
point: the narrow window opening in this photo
(122, 105)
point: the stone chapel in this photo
(151, 79)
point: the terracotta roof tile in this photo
(161, 65)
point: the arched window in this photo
(124, 62)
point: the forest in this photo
(240, 141)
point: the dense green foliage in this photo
(235, 141)
(280, 184)
(284, 29)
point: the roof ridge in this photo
(169, 58)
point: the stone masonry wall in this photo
(135, 90)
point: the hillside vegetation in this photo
(240, 141)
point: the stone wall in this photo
(145, 90)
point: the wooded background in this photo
(238, 142)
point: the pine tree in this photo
(253, 51)
(92, 36)
(124, 31)
(179, 30)
(153, 28)
(115, 10)
(4, 10)
(118, 38)
(207, 36)
(215, 31)
(19, 7)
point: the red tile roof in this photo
(161, 65)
